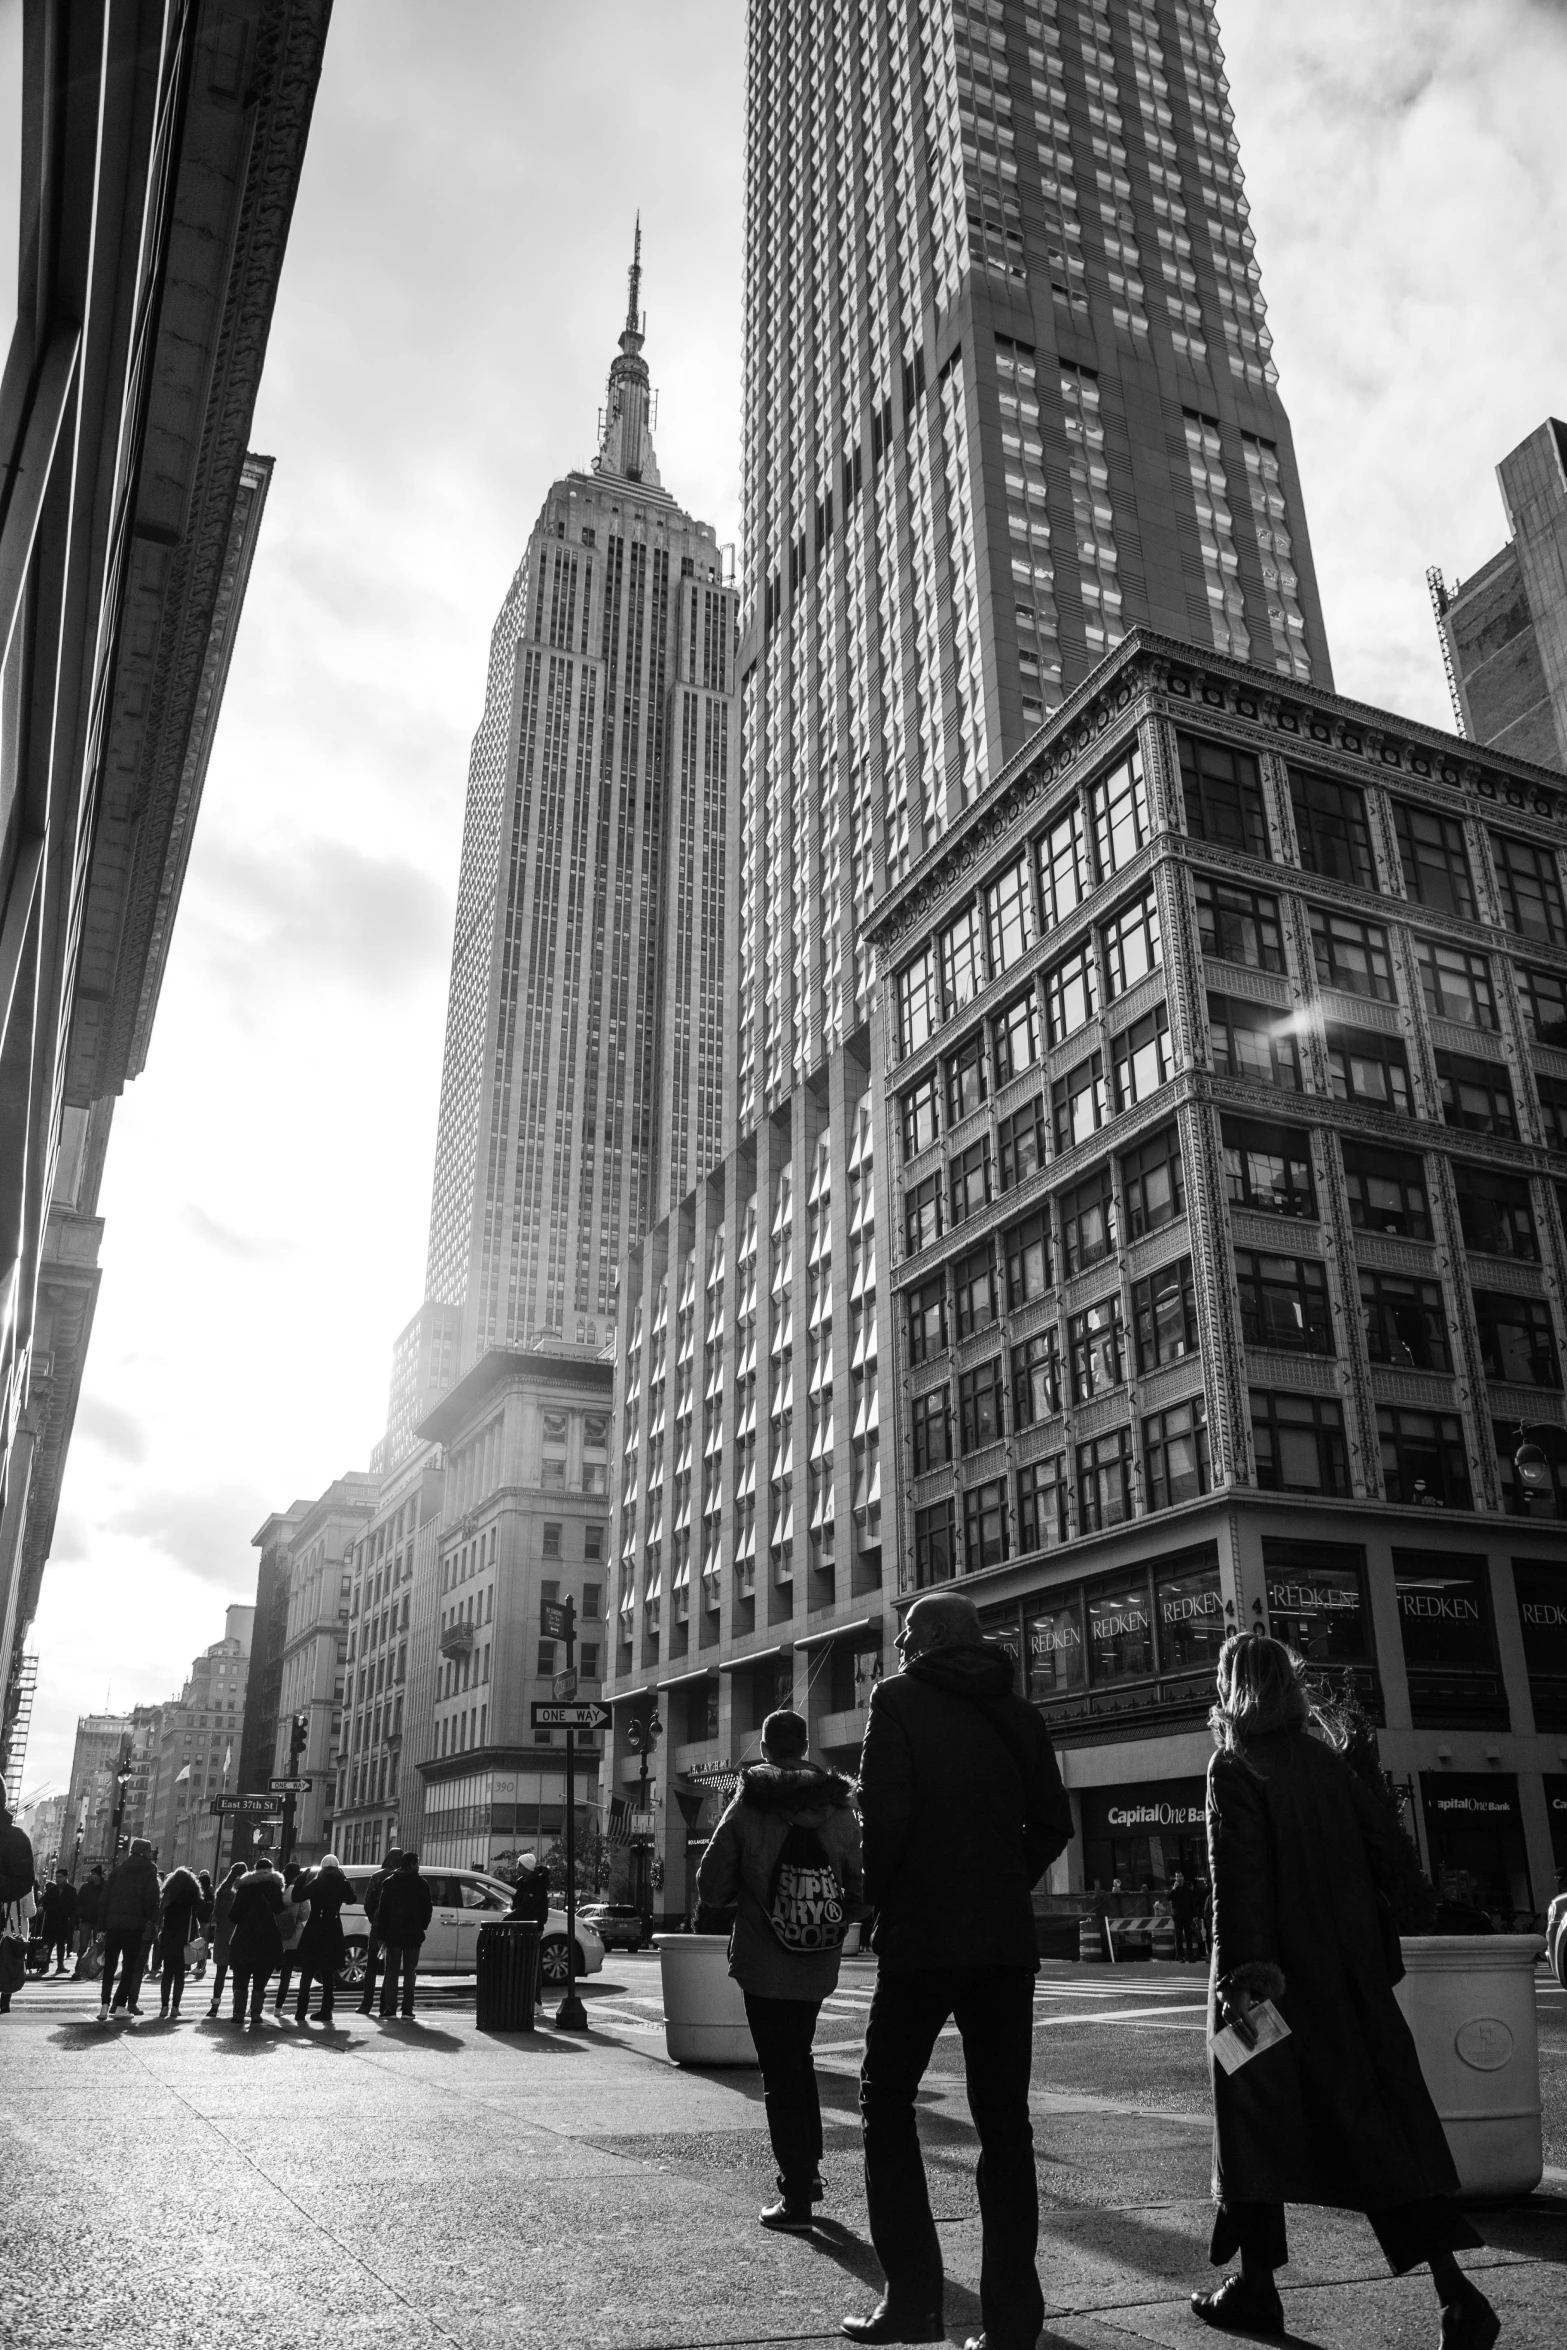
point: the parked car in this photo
(618, 1925)
(1556, 1938)
(465, 1900)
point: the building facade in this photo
(369, 1804)
(1008, 392)
(1227, 1139)
(313, 1680)
(525, 1439)
(93, 1795)
(197, 1752)
(1504, 629)
(583, 1079)
(264, 1685)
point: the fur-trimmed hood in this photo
(803, 1790)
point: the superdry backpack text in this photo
(805, 1908)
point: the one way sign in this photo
(584, 1715)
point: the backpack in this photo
(805, 1899)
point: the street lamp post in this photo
(1531, 1462)
(643, 1736)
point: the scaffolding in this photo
(1440, 600)
(27, 1684)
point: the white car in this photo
(1556, 1939)
(464, 1901)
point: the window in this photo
(1544, 998)
(1079, 1102)
(1444, 1616)
(974, 1285)
(1239, 925)
(590, 1660)
(1036, 1379)
(1366, 1067)
(1028, 1259)
(1071, 993)
(1330, 825)
(1120, 1629)
(1253, 1041)
(922, 1214)
(932, 1427)
(962, 969)
(966, 1087)
(1352, 955)
(595, 1452)
(1516, 1339)
(1087, 1222)
(1057, 1662)
(1009, 918)
(554, 1449)
(1477, 1096)
(1268, 1168)
(1553, 1110)
(1041, 1506)
(1020, 1143)
(927, 1307)
(1094, 1345)
(544, 1665)
(1118, 810)
(1317, 1600)
(934, 1544)
(1284, 1302)
(1424, 1462)
(979, 1405)
(985, 1526)
(549, 1545)
(920, 1123)
(1406, 1322)
(592, 1593)
(1062, 861)
(917, 1001)
(1104, 1481)
(1140, 1058)
(1015, 1038)
(1496, 1211)
(1455, 983)
(1175, 1454)
(969, 1179)
(1531, 889)
(1299, 1443)
(1435, 860)
(1189, 1602)
(1387, 1191)
(1152, 1185)
(1222, 788)
(1131, 944)
(1164, 1316)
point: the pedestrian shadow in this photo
(538, 2043)
(850, 2252)
(405, 2031)
(1535, 2229)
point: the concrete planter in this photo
(704, 2008)
(1469, 2001)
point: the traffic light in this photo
(643, 1736)
(298, 1736)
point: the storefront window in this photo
(1120, 1633)
(1317, 1601)
(1055, 1649)
(1542, 1617)
(1444, 1614)
(1475, 1831)
(1144, 1834)
(1190, 1608)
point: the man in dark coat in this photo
(89, 1912)
(373, 1892)
(321, 1943)
(403, 1916)
(130, 1911)
(1183, 1916)
(1338, 2113)
(962, 1810)
(59, 1915)
(255, 1939)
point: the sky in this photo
(454, 284)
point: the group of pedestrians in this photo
(961, 1810)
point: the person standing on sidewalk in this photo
(962, 1810)
(403, 1917)
(222, 1932)
(89, 1915)
(1299, 1851)
(255, 1940)
(182, 1908)
(296, 1907)
(130, 1911)
(373, 1892)
(321, 1943)
(1183, 1916)
(59, 1915)
(786, 1857)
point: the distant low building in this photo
(197, 1749)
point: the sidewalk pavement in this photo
(423, 2185)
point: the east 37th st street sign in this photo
(584, 1715)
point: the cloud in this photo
(246, 1247)
(326, 911)
(205, 1531)
(106, 1424)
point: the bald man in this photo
(962, 1811)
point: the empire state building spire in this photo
(627, 444)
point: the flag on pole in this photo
(184, 1774)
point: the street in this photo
(420, 2184)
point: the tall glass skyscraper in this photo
(586, 1054)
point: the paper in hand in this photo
(1231, 2051)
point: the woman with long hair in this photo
(180, 1912)
(321, 1946)
(1302, 1859)
(222, 1904)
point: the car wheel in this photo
(1561, 1957)
(552, 1959)
(351, 1973)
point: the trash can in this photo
(1469, 2001)
(508, 1974)
(704, 2007)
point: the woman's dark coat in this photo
(182, 1907)
(1339, 2113)
(321, 1944)
(255, 1940)
(222, 1922)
